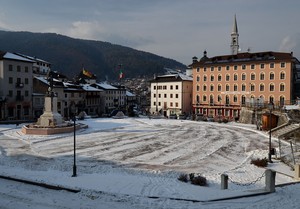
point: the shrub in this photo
(183, 178)
(260, 162)
(199, 180)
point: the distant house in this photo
(112, 98)
(171, 94)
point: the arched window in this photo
(219, 77)
(243, 76)
(219, 98)
(227, 100)
(204, 98)
(235, 87)
(227, 77)
(282, 87)
(282, 75)
(198, 78)
(252, 87)
(212, 78)
(252, 76)
(204, 87)
(198, 88)
(211, 99)
(219, 87)
(235, 77)
(262, 76)
(271, 99)
(261, 87)
(205, 78)
(243, 87)
(211, 87)
(281, 100)
(234, 98)
(197, 98)
(243, 99)
(227, 87)
(272, 87)
(272, 76)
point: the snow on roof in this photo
(12, 56)
(129, 94)
(42, 79)
(87, 87)
(32, 58)
(180, 75)
(106, 86)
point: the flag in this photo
(87, 73)
(121, 74)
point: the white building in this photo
(171, 94)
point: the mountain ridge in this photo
(70, 55)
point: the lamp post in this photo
(74, 119)
(270, 107)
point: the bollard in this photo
(297, 172)
(270, 180)
(224, 181)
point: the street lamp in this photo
(73, 107)
(270, 107)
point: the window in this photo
(159, 103)
(204, 78)
(262, 76)
(198, 88)
(198, 69)
(204, 87)
(171, 87)
(66, 95)
(261, 87)
(18, 68)
(26, 81)
(171, 95)
(227, 87)
(252, 67)
(154, 87)
(10, 68)
(176, 95)
(10, 93)
(262, 66)
(171, 104)
(212, 68)
(272, 87)
(243, 87)
(235, 77)
(282, 75)
(252, 76)
(243, 76)
(243, 67)
(26, 69)
(212, 78)
(243, 99)
(165, 95)
(204, 98)
(235, 87)
(282, 65)
(26, 93)
(272, 76)
(198, 78)
(204, 69)
(227, 77)
(252, 87)
(235, 67)
(219, 77)
(159, 95)
(272, 65)
(219, 68)
(234, 98)
(227, 67)
(164, 87)
(211, 87)
(10, 80)
(282, 87)
(219, 87)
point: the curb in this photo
(44, 185)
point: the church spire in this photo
(234, 38)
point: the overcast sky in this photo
(177, 29)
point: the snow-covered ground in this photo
(135, 163)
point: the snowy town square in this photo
(137, 163)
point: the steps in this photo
(285, 129)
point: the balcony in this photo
(19, 85)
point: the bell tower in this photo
(234, 38)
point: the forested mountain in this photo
(69, 56)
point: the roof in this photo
(129, 94)
(105, 86)
(245, 57)
(172, 78)
(11, 56)
(32, 58)
(87, 87)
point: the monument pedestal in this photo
(50, 117)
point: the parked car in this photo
(173, 116)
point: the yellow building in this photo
(222, 84)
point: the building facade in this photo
(15, 87)
(223, 84)
(171, 94)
